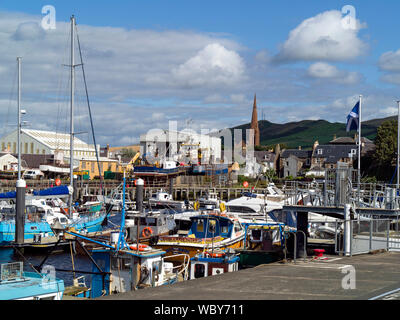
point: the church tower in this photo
(254, 123)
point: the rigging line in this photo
(90, 113)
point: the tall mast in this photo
(19, 117)
(72, 106)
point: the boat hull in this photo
(7, 229)
(193, 249)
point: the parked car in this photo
(33, 174)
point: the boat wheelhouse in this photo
(207, 232)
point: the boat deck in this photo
(377, 276)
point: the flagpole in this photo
(359, 147)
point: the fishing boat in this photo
(207, 264)
(264, 243)
(148, 226)
(207, 232)
(15, 284)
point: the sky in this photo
(198, 63)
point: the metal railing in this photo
(367, 236)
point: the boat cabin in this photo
(213, 263)
(129, 270)
(211, 226)
(150, 224)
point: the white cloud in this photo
(323, 37)
(327, 71)
(390, 61)
(213, 65)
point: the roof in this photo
(349, 140)
(263, 156)
(55, 140)
(301, 154)
(333, 153)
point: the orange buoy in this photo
(147, 232)
(142, 247)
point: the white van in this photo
(33, 174)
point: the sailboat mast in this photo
(19, 117)
(72, 105)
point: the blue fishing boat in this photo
(15, 284)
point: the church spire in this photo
(254, 123)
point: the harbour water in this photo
(59, 260)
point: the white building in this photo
(46, 142)
(8, 162)
(181, 146)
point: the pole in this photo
(72, 109)
(359, 150)
(21, 184)
(398, 145)
(19, 118)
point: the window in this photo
(83, 165)
(3, 146)
(353, 151)
(92, 168)
(320, 151)
(43, 151)
(32, 148)
(14, 147)
(200, 226)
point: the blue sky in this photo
(163, 60)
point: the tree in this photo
(127, 153)
(386, 143)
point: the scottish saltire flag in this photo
(353, 118)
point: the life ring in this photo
(215, 255)
(147, 232)
(222, 207)
(142, 247)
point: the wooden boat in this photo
(208, 232)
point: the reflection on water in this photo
(59, 261)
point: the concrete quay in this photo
(377, 276)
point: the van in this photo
(33, 174)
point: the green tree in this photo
(386, 143)
(127, 153)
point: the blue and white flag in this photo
(353, 118)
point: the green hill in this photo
(305, 133)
